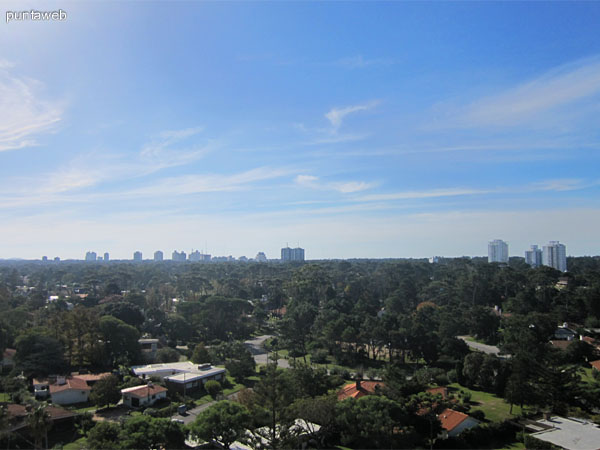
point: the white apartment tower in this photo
(498, 251)
(533, 256)
(555, 255)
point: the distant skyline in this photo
(358, 129)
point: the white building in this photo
(498, 251)
(533, 256)
(91, 256)
(555, 255)
(137, 256)
(147, 395)
(158, 255)
(69, 390)
(181, 375)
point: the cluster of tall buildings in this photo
(292, 254)
(287, 254)
(553, 254)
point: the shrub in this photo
(213, 388)
(319, 356)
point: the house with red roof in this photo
(69, 390)
(595, 364)
(454, 422)
(145, 395)
(359, 389)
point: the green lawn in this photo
(494, 408)
(586, 375)
(4, 397)
(79, 444)
(514, 446)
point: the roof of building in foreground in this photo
(352, 390)
(570, 433)
(450, 419)
(144, 391)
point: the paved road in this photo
(190, 416)
(260, 354)
(490, 349)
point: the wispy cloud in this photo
(556, 89)
(407, 195)
(346, 187)
(24, 113)
(336, 115)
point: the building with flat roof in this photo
(137, 256)
(498, 251)
(181, 376)
(91, 256)
(158, 255)
(571, 433)
(533, 256)
(554, 254)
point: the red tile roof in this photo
(91, 377)
(144, 391)
(443, 391)
(595, 364)
(366, 388)
(450, 419)
(70, 383)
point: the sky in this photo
(352, 129)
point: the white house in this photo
(181, 375)
(69, 390)
(145, 395)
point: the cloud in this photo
(336, 115)
(407, 195)
(24, 113)
(559, 88)
(347, 187)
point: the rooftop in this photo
(70, 383)
(570, 433)
(144, 391)
(450, 419)
(366, 388)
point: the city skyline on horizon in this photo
(361, 130)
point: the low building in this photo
(17, 416)
(149, 348)
(571, 433)
(142, 396)
(359, 389)
(69, 390)
(181, 376)
(455, 422)
(7, 363)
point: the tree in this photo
(200, 354)
(121, 341)
(39, 423)
(213, 388)
(39, 354)
(167, 355)
(104, 435)
(145, 432)
(106, 391)
(223, 422)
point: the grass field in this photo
(4, 397)
(494, 408)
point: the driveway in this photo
(490, 349)
(255, 346)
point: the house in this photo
(146, 395)
(595, 364)
(149, 348)
(7, 363)
(17, 415)
(69, 390)
(359, 389)
(90, 378)
(455, 422)
(564, 333)
(181, 376)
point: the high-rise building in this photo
(137, 256)
(555, 255)
(197, 256)
(158, 255)
(45, 258)
(533, 256)
(106, 256)
(178, 256)
(498, 251)
(292, 254)
(261, 257)
(91, 256)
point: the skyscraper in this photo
(106, 256)
(555, 255)
(137, 256)
(498, 251)
(533, 256)
(292, 254)
(158, 255)
(91, 256)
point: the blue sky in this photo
(356, 129)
